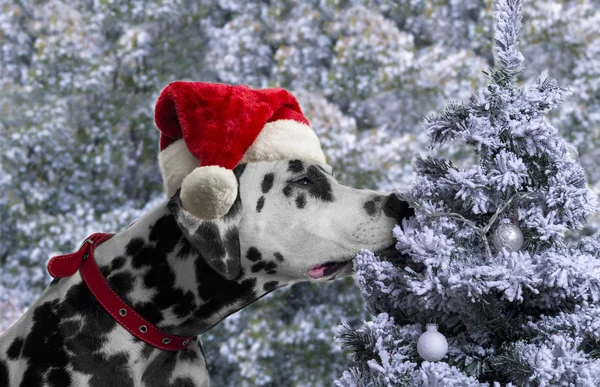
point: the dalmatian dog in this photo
(291, 221)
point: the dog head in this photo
(294, 221)
(280, 213)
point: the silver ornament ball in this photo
(508, 236)
(432, 345)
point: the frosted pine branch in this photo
(506, 31)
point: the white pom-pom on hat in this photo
(209, 192)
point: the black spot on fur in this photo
(183, 382)
(253, 254)
(185, 249)
(58, 378)
(166, 234)
(370, 207)
(321, 188)
(267, 182)
(70, 327)
(142, 256)
(134, 245)
(183, 302)
(266, 266)
(268, 286)
(188, 354)
(260, 204)
(117, 263)
(159, 275)
(14, 351)
(185, 305)
(121, 283)
(377, 199)
(301, 200)
(159, 370)
(147, 350)
(3, 373)
(287, 190)
(105, 270)
(279, 257)
(296, 166)
(111, 373)
(148, 311)
(43, 347)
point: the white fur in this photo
(208, 192)
(176, 162)
(285, 140)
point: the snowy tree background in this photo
(78, 144)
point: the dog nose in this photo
(396, 208)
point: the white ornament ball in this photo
(508, 236)
(432, 345)
(572, 153)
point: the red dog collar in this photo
(67, 265)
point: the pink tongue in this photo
(317, 272)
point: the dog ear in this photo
(217, 241)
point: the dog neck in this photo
(153, 267)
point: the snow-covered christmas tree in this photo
(485, 259)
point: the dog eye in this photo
(303, 181)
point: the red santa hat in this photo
(207, 129)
